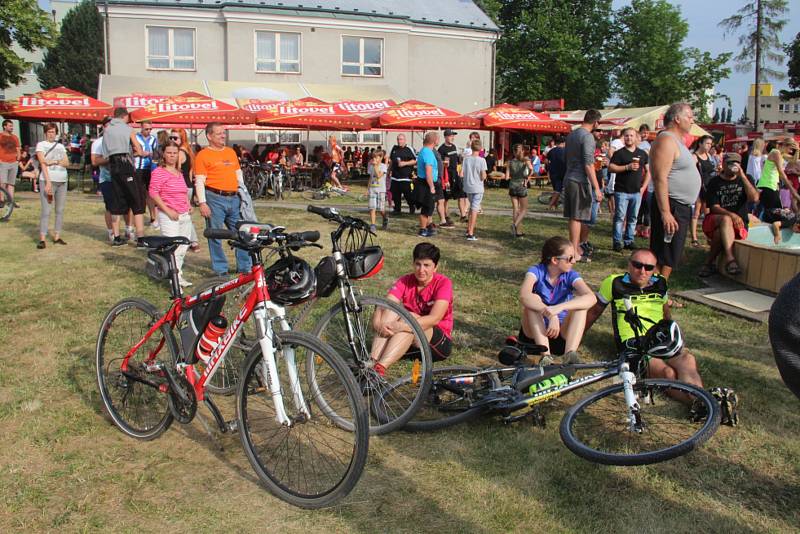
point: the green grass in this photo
(64, 467)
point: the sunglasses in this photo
(570, 259)
(646, 266)
(174, 137)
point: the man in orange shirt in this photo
(217, 179)
(9, 156)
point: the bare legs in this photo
(571, 329)
(387, 347)
(519, 206)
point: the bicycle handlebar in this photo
(264, 237)
(219, 233)
(332, 215)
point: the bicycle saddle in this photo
(160, 242)
(531, 349)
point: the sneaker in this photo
(471, 238)
(373, 228)
(571, 357)
(628, 246)
(117, 241)
(448, 220)
(617, 247)
(155, 226)
(424, 232)
(140, 243)
(432, 227)
(385, 224)
(447, 224)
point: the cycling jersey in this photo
(649, 302)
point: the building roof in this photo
(450, 13)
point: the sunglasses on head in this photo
(646, 266)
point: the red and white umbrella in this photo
(418, 115)
(310, 113)
(192, 108)
(59, 104)
(509, 117)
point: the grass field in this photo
(65, 468)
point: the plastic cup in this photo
(668, 238)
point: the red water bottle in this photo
(210, 338)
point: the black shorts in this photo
(107, 190)
(440, 344)
(143, 176)
(423, 197)
(456, 189)
(127, 192)
(669, 254)
(439, 195)
(517, 189)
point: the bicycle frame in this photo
(258, 303)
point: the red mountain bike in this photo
(307, 451)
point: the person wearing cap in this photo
(727, 195)
(451, 157)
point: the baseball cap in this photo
(733, 157)
(450, 132)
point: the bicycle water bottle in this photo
(552, 382)
(210, 338)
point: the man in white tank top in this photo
(677, 184)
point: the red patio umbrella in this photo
(417, 115)
(366, 108)
(192, 108)
(137, 100)
(310, 113)
(509, 117)
(59, 104)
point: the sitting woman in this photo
(428, 296)
(28, 169)
(554, 301)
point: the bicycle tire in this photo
(119, 392)
(386, 412)
(6, 204)
(435, 414)
(669, 409)
(226, 378)
(340, 454)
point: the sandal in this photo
(59, 241)
(696, 243)
(707, 270)
(732, 268)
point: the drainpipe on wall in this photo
(107, 47)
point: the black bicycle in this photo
(635, 421)
(6, 204)
(265, 180)
(351, 326)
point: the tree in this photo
(729, 116)
(716, 115)
(793, 51)
(760, 42)
(24, 23)
(651, 65)
(553, 49)
(76, 59)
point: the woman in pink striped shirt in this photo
(169, 192)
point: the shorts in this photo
(128, 192)
(557, 183)
(558, 346)
(710, 225)
(423, 197)
(475, 201)
(377, 200)
(577, 200)
(439, 195)
(441, 346)
(144, 176)
(456, 189)
(8, 173)
(769, 199)
(517, 189)
(669, 254)
(107, 190)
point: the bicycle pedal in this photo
(232, 426)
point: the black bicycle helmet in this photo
(663, 340)
(290, 281)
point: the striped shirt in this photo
(171, 188)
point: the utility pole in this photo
(759, 13)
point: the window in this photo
(348, 138)
(277, 52)
(362, 56)
(797, 108)
(270, 137)
(783, 108)
(371, 138)
(170, 48)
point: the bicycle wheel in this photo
(134, 399)
(314, 462)
(6, 204)
(391, 407)
(449, 403)
(226, 378)
(597, 427)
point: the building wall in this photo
(773, 109)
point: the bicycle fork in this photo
(631, 400)
(269, 368)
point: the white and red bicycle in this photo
(308, 451)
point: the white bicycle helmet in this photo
(663, 340)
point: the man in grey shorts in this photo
(9, 157)
(580, 179)
(677, 184)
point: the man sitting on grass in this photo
(428, 295)
(647, 292)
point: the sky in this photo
(703, 17)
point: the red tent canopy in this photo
(254, 105)
(413, 114)
(309, 113)
(192, 108)
(59, 104)
(509, 117)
